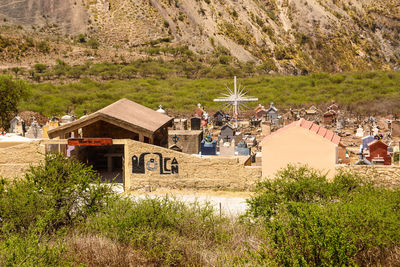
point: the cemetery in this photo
(231, 149)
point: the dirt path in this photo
(228, 203)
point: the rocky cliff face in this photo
(295, 36)
(68, 16)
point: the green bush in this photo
(40, 68)
(311, 221)
(43, 47)
(81, 38)
(93, 43)
(56, 195)
(12, 91)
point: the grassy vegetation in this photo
(60, 214)
(369, 93)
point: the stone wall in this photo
(186, 171)
(15, 160)
(381, 175)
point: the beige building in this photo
(301, 142)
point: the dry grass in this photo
(185, 249)
(101, 251)
(379, 257)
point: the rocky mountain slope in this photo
(288, 36)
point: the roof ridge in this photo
(313, 127)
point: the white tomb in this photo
(226, 148)
(360, 132)
(375, 131)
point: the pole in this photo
(235, 105)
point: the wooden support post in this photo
(109, 163)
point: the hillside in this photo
(370, 93)
(286, 36)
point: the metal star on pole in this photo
(235, 99)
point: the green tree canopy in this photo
(11, 92)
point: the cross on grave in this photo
(175, 139)
(227, 138)
(235, 99)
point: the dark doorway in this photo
(108, 161)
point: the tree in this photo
(11, 92)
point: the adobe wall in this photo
(15, 160)
(189, 171)
(388, 176)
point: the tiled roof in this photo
(327, 134)
(375, 142)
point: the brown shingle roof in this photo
(126, 112)
(136, 114)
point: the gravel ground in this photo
(230, 203)
(231, 206)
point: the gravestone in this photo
(208, 147)
(265, 129)
(219, 118)
(375, 131)
(340, 124)
(258, 159)
(255, 122)
(272, 112)
(187, 141)
(360, 132)
(226, 148)
(34, 131)
(49, 126)
(195, 123)
(261, 113)
(395, 128)
(227, 130)
(180, 124)
(242, 149)
(250, 141)
(66, 119)
(227, 133)
(17, 126)
(199, 111)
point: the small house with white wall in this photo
(301, 142)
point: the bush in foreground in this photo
(314, 222)
(60, 214)
(52, 197)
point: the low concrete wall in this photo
(184, 170)
(388, 176)
(15, 160)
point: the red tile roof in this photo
(375, 142)
(327, 134)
